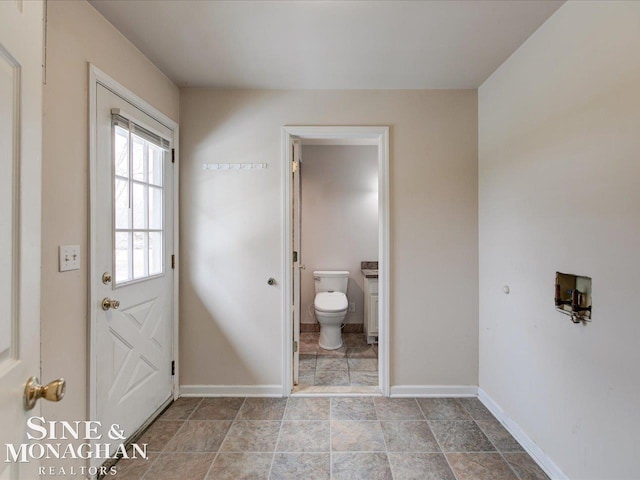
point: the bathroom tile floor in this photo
(354, 364)
(308, 438)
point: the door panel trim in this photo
(98, 77)
(12, 353)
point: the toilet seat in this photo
(331, 302)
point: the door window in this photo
(138, 165)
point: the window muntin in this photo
(138, 203)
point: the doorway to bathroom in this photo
(336, 244)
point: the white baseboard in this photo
(231, 390)
(399, 391)
(541, 458)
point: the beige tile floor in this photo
(329, 438)
(354, 364)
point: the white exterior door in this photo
(20, 196)
(132, 270)
(297, 261)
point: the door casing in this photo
(96, 76)
(379, 134)
(296, 265)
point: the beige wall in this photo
(77, 34)
(231, 230)
(559, 183)
(339, 218)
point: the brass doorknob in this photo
(107, 303)
(54, 391)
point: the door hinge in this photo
(295, 346)
(294, 167)
(173, 367)
(173, 261)
(295, 257)
(173, 155)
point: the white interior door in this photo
(132, 270)
(20, 196)
(297, 260)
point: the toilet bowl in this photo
(330, 308)
(330, 305)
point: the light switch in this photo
(69, 257)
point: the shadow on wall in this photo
(234, 134)
(354, 291)
(222, 353)
(227, 271)
(230, 246)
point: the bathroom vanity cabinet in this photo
(371, 309)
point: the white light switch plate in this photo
(69, 257)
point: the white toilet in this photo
(330, 305)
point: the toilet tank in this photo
(331, 280)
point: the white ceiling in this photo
(328, 44)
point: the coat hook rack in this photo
(234, 166)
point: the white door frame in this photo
(296, 247)
(98, 77)
(381, 136)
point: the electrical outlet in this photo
(69, 257)
(352, 306)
